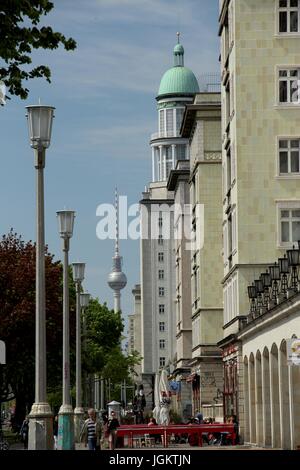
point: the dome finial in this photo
(178, 53)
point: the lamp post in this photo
(84, 301)
(65, 416)
(78, 276)
(40, 418)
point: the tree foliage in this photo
(17, 320)
(103, 353)
(19, 35)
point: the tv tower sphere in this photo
(117, 280)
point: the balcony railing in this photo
(164, 135)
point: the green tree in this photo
(17, 321)
(102, 354)
(19, 35)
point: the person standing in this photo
(55, 431)
(113, 424)
(24, 432)
(91, 431)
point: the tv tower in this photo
(117, 279)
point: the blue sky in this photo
(104, 94)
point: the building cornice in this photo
(175, 175)
(149, 202)
(190, 115)
(246, 265)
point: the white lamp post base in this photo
(65, 438)
(78, 422)
(40, 427)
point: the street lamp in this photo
(78, 276)
(40, 418)
(65, 416)
(84, 301)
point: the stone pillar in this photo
(284, 400)
(274, 388)
(153, 164)
(266, 400)
(173, 156)
(258, 400)
(160, 176)
(246, 427)
(251, 387)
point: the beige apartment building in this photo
(260, 67)
(202, 126)
(181, 389)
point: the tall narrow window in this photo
(161, 291)
(289, 225)
(161, 326)
(181, 152)
(179, 116)
(162, 344)
(228, 163)
(160, 240)
(162, 361)
(170, 122)
(161, 274)
(160, 257)
(162, 122)
(161, 308)
(289, 85)
(288, 16)
(289, 156)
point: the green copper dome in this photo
(178, 80)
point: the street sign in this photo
(293, 351)
(2, 353)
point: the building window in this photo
(179, 116)
(162, 361)
(161, 291)
(160, 240)
(289, 85)
(170, 122)
(180, 150)
(162, 121)
(162, 344)
(229, 169)
(288, 16)
(162, 326)
(161, 274)
(289, 225)
(160, 221)
(161, 308)
(160, 257)
(289, 153)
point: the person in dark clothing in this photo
(113, 424)
(55, 431)
(24, 431)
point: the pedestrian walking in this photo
(91, 431)
(113, 425)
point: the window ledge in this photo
(287, 106)
(287, 35)
(286, 246)
(287, 177)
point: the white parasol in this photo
(164, 417)
(156, 411)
